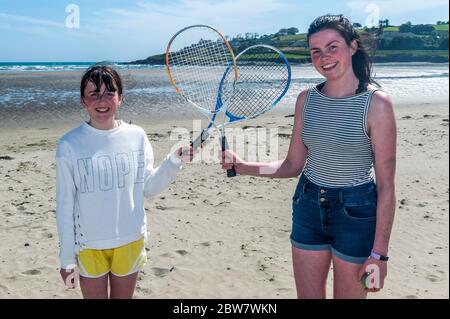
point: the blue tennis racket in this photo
(263, 78)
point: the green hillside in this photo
(391, 29)
(441, 27)
(404, 43)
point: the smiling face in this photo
(101, 105)
(331, 55)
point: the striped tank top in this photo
(334, 131)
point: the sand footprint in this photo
(32, 272)
(433, 278)
(206, 244)
(144, 290)
(283, 289)
(3, 290)
(161, 272)
(181, 252)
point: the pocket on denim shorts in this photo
(295, 198)
(367, 212)
(298, 198)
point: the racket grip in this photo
(230, 172)
(224, 143)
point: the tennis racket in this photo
(264, 76)
(198, 60)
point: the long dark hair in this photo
(99, 75)
(361, 61)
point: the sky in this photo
(127, 30)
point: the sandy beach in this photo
(214, 237)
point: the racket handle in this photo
(230, 172)
(200, 139)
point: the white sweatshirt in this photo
(101, 180)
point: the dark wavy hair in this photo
(99, 75)
(361, 61)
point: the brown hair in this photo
(99, 75)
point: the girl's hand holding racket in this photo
(185, 153)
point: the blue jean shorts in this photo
(342, 220)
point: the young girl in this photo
(344, 128)
(104, 169)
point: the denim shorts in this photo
(341, 220)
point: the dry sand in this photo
(213, 237)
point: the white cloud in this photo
(147, 27)
(30, 21)
(134, 32)
(34, 27)
(230, 16)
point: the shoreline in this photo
(163, 67)
(53, 97)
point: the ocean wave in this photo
(61, 67)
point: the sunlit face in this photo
(330, 54)
(101, 106)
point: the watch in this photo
(378, 256)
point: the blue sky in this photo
(125, 30)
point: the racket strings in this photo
(198, 70)
(259, 85)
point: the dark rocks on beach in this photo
(6, 158)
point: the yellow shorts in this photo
(121, 261)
